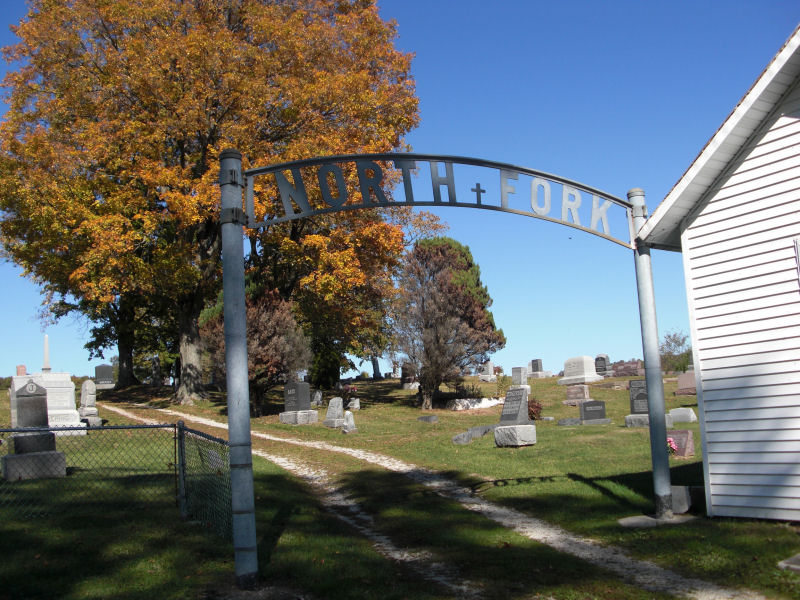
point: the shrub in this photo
(503, 383)
(534, 409)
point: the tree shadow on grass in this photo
(501, 563)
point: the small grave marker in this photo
(684, 440)
(593, 412)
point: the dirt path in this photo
(643, 574)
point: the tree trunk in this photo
(376, 368)
(427, 400)
(126, 331)
(190, 387)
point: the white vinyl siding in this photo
(744, 300)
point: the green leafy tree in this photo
(442, 321)
(675, 351)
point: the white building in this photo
(735, 216)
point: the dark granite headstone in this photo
(601, 364)
(104, 375)
(684, 440)
(536, 365)
(592, 410)
(34, 452)
(515, 408)
(638, 395)
(297, 396)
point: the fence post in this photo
(181, 438)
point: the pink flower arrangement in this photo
(672, 446)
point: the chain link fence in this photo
(82, 471)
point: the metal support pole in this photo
(242, 496)
(652, 363)
(181, 439)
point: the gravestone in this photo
(515, 408)
(593, 412)
(104, 377)
(644, 420)
(631, 368)
(577, 394)
(536, 371)
(519, 379)
(602, 365)
(316, 402)
(334, 418)
(487, 372)
(354, 404)
(428, 419)
(61, 410)
(296, 396)
(297, 405)
(408, 378)
(349, 425)
(686, 384)
(579, 369)
(683, 415)
(515, 427)
(88, 408)
(638, 397)
(21, 370)
(684, 440)
(35, 454)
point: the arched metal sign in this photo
(396, 179)
(322, 185)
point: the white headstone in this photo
(579, 369)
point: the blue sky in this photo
(615, 95)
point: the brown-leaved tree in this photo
(118, 111)
(442, 321)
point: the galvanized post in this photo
(181, 439)
(652, 363)
(242, 497)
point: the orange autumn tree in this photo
(118, 112)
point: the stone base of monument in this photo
(333, 423)
(65, 418)
(298, 417)
(644, 420)
(472, 433)
(514, 436)
(104, 386)
(34, 465)
(525, 387)
(92, 421)
(411, 386)
(683, 415)
(596, 422)
(25, 443)
(540, 374)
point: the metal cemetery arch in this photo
(335, 197)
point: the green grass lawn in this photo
(581, 478)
